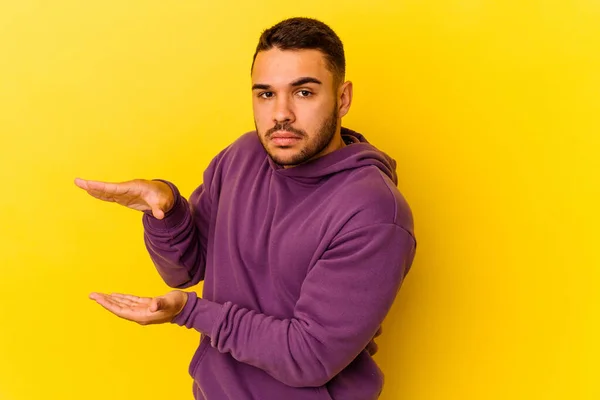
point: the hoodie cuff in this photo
(173, 218)
(199, 314)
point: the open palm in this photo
(137, 194)
(143, 310)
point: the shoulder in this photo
(245, 148)
(370, 197)
(247, 144)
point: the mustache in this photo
(285, 127)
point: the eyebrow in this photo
(305, 80)
(297, 82)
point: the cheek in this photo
(311, 116)
(261, 114)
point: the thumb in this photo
(157, 304)
(157, 213)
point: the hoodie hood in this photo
(359, 153)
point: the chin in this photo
(285, 160)
(287, 157)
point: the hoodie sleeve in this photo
(343, 302)
(177, 243)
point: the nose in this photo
(283, 111)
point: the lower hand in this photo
(143, 310)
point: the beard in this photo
(310, 148)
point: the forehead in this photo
(277, 66)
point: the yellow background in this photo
(491, 108)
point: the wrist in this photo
(188, 306)
(182, 303)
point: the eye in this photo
(304, 93)
(266, 95)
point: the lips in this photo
(285, 138)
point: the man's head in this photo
(298, 90)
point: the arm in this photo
(177, 243)
(344, 300)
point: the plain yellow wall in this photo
(491, 108)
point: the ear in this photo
(345, 98)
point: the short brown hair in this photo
(306, 33)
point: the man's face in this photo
(295, 104)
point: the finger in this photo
(115, 188)
(105, 299)
(106, 302)
(129, 302)
(96, 295)
(117, 304)
(123, 301)
(88, 184)
(82, 183)
(129, 313)
(101, 195)
(132, 299)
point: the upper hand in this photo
(138, 194)
(143, 310)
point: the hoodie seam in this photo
(391, 195)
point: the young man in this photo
(298, 231)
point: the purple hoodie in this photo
(300, 267)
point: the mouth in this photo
(284, 138)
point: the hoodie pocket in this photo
(199, 354)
